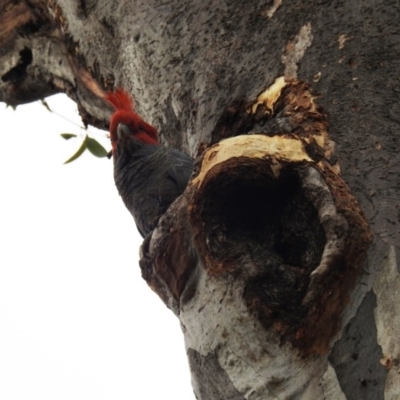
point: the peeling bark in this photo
(37, 59)
(276, 242)
(267, 257)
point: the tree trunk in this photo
(280, 259)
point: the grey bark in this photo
(194, 69)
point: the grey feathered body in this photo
(149, 178)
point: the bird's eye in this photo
(141, 127)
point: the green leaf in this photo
(79, 152)
(44, 102)
(68, 136)
(96, 148)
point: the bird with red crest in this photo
(148, 175)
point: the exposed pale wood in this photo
(196, 70)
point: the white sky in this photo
(77, 321)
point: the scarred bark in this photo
(38, 59)
(276, 242)
(267, 257)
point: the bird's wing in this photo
(172, 177)
(180, 170)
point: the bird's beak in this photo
(123, 131)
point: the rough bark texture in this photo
(265, 282)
